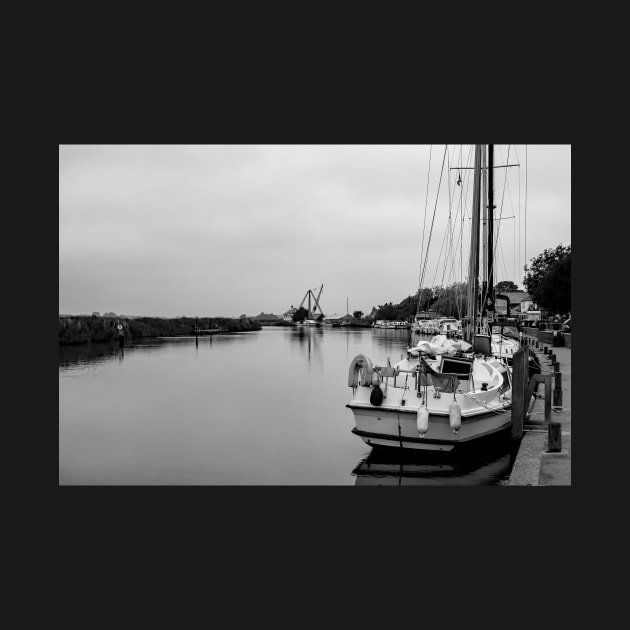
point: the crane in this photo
(309, 294)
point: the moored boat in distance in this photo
(390, 324)
(449, 326)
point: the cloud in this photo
(236, 228)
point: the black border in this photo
(303, 527)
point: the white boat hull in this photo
(377, 426)
(484, 407)
(401, 431)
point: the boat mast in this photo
(473, 266)
(484, 235)
(490, 291)
(487, 291)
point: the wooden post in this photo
(554, 437)
(547, 397)
(520, 361)
(557, 390)
(556, 367)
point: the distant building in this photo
(288, 316)
(340, 320)
(520, 302)
(266, 318)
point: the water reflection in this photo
(184, 412)
(92, 354)
(308, 338)
(393, 342)
(394, 467)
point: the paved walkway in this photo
(534, 465)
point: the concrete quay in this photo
(534, 464)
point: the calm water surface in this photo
(256, 408)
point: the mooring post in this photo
(557, 390)
(520, 362)
(544, 349)
(547, 378)
(554, 437)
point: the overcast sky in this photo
(203, 230)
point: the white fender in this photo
(455, 416)
(422, 420)
(361, 364)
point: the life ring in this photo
(361, 364)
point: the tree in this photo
(300, 315)
(386, 311)
(424, 298)
(357, 314)
(450, 301)
(548, 279)
(505, 286)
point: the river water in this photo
(255, 408)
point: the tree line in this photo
(85, 328)
(547, 280)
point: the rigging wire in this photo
(525, 247)
(424, 225)
(505, 186)
(519, 211)
(497, 242)
(451, 247)
(448, 252)
(426, 255)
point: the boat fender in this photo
(360, 364)
(455, 416)
(376, 397)
(422, 420)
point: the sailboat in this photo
(437, 400)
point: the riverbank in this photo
(90, 329)
(535, 465)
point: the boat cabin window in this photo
(456, 365)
